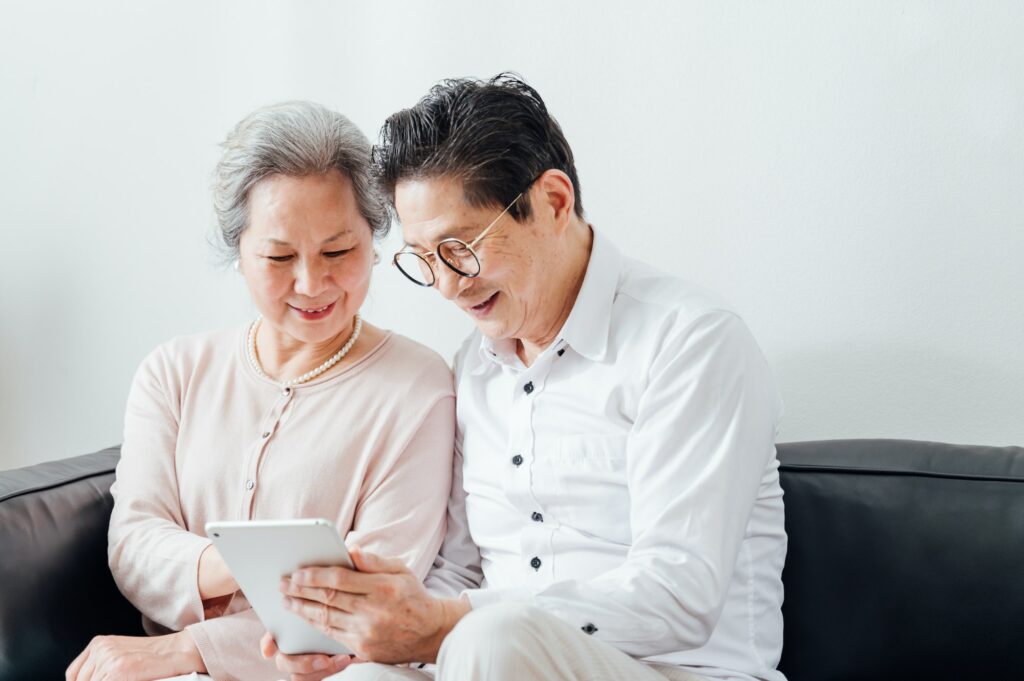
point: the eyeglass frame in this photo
(437, 252)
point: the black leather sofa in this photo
(906, 561)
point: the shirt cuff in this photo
(214, 665)
(198, 546)
(481, 598)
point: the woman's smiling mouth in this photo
(313, 313)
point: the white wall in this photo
(848, 174)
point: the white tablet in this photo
(260, 552)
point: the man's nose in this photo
(448, 282)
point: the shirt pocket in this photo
(588, 486)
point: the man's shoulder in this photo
(659, 296)
(468, 355)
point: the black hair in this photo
(494, 136)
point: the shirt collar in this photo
(588, 326)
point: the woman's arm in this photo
(402, 513)
(164, 570)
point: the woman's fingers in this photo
(303, 664)
(268, 646)
(338, 664)
(88, 670)
(71, 673)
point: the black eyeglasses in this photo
(456, 254)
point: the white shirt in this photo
(627, 480)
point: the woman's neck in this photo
(284, 357)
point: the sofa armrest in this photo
(57, 589)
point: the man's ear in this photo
(553, 198)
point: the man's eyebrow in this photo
(458, 231)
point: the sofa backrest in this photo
(56, 591)
(906, 561)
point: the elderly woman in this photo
(309, 411)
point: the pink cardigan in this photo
(206, 438)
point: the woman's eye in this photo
(279, 258)
(337, 254)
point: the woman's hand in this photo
(215, 579)
(136, 658)
(382, 612)
(312, 667)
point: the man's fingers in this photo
(335, 599)
(337, 578)
(324, 617)
(372, 563)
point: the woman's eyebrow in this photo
(281, 242)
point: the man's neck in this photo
(569, 281)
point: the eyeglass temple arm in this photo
(482, 234)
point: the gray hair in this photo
(297, 139)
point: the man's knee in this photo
(505, 629)
(371, 671)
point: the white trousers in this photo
(514, 642)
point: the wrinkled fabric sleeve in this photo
(700, 444)
(458, 565)
(154, 560)
(230, 649)
(402, 513)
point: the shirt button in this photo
(537, 517)
(561, 352)
(266, 434)
(249, 484)
(535, 563)
(286, 391)
(589, 628)
(517, 460)
(528, 388)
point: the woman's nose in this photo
(310, 279)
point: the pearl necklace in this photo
(309, 375)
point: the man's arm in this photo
(457, 566)
(699, 448)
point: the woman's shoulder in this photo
(190, 352)
(418, 365)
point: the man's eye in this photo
(337, 254)
(279, 258)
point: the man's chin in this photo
(495, 329)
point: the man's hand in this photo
(382, 612)
(136, 658)
(313, 667)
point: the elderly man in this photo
(616, 510)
